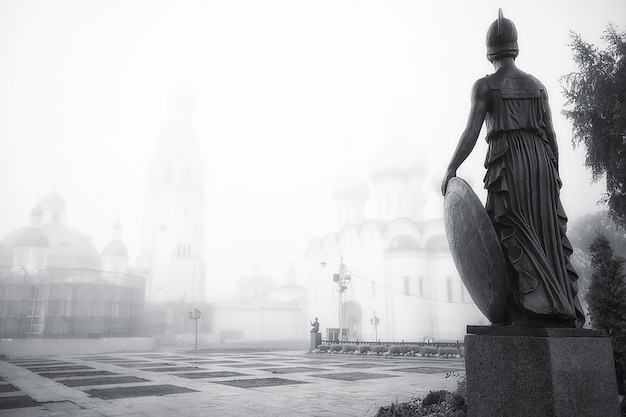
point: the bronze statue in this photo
(523, 184)
(316, 326)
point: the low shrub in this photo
(336, 348)
(448, 351)
(349, 348)
(428, 350)
(412, 349)
(365, 348)
(436, 404)
(435, 397)
(323, 348)
(397, 350)
(379, 349)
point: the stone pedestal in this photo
(316, 340)
(522, 372)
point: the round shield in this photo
(475, 249)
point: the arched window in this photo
(407, 285)
(449, 288)
(421, 285)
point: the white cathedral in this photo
(391, 276)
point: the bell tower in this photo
(173, 243)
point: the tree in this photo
(581, 232)
(596, 96)
(607, 301)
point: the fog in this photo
(289, 96)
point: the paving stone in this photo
(18, 401)
(424, 370)
(102, 381)
(171, 369)
(354, 376)
(362, 365)
(66, 374)
(40, 363)
(215, 374)
(38, 369)
(259, 382)
(293, 370)
(145, 364)
(137, 391)
(8, 388)
(249, 365)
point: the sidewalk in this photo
(216, 383)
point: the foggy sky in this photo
(289, 95)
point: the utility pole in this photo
(342, 279)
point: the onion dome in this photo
(36, 216)
(115, 248)
(37, 211)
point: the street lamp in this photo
(342, 279)
(375, 321)
(195, 315)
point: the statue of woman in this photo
(523, 186)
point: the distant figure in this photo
(523, 186)
(316, 326)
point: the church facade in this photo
(55, 284)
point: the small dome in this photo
(115, 248)
(437, 243)
(53, 199)
(29, 236)
(37, 211)
(403, 242)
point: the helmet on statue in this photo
(501, 39)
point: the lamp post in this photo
(375, 321)
(195, 315)
(341, 279)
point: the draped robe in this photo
(523, 200)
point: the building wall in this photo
(415, 292)
(70, 303)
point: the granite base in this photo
(549, 376)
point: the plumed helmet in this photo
(501, 38)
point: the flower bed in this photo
(392, 350)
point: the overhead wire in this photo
(352, 273)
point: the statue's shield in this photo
(475, 249)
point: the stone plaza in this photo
(227, 382)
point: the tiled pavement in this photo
(211, 383)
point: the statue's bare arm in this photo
(478, 110)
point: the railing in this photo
(373, 343)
